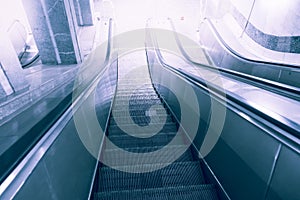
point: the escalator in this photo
(23, 43)
(251, 134)
(281, 78)
(140, 118)
(182, 179)
(243, 86)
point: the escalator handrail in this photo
(276, 85)
(232, 51)
(289, 127)
(32, 60)
(14, 181)
(109, 112)
(36, 55)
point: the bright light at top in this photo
(10, 11)
(276, 5)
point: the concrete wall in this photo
(275, 17)
(84, 12)
(272, 24)
(54, 30)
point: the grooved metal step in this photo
(145, 113)
(160, 134)
(141, 119)
(194, 192)
(160, 139)
(136, 96)
(136, 107)
(129, 83)
(115, 158)
(145, 101)
(138, 101)
(132, 87)
(176, 174)
(131, 128)
(131, 94)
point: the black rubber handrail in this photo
(279, 87)
(32, 60)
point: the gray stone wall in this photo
(84, 12)
(272, 24)
(53, 28)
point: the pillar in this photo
(84, 12)
(54, 31)
(12, 76)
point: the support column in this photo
(53, 29)
(12, 76)
(84, 12)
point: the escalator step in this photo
(158, 136)
(161, 139)
(195, 192)
(145, 96)
(116, 130)
(139, 113)
(140, 110)
(119, 106)
(170, 153)
(132, 83)
(146, 91)
(124, 135)
(176, 174)
(141, 119)
(133, 101)
(137, 98)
